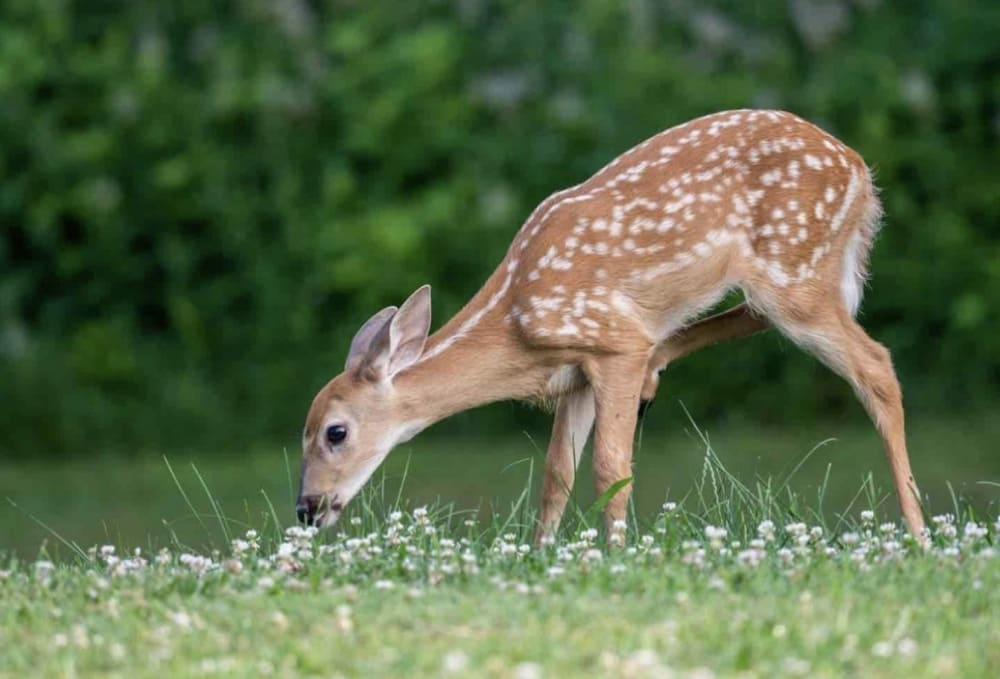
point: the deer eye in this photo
(335, 434)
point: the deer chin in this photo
(327, 519)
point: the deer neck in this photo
(467, 365)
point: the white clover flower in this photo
(180, 619)
(197, 563)
(887, 528)
(973, 531)
(891, 547)
(715, 533)
(107, 550)
(617, 568)
(384, 584)
(766, 529)
(867, 517)
(592, 555)
(588, 535)
(751, 557)
(796, 529)
(715, 536)
(796, 666)
(619, 525)
(528, 670)
(850, 538)
(454, 662)
(695, 557)
(944, 524)
(355, 520)
(669, 507)
(907, 647)
(882, 649)
(80, 638)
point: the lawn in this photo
(426, 594)
(765, 561)
(134, 500)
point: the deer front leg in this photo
(616, 381)
(738, 321)
(570, 430)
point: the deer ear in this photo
(408, 330)
(362, 341)
(400, 342)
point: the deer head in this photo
(359, 417)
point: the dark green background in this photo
(200, 201)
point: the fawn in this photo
(594, 296)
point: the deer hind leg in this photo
(616, 380)
(738, 321)
(833, 336)
(570, 430)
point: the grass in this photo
(743, 576)
(134, 500)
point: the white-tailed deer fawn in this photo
(593, 296)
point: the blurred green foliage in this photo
(200, 201)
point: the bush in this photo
(201, 201)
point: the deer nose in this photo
(305, 509)
(309, 506)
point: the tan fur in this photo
(598, 287)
